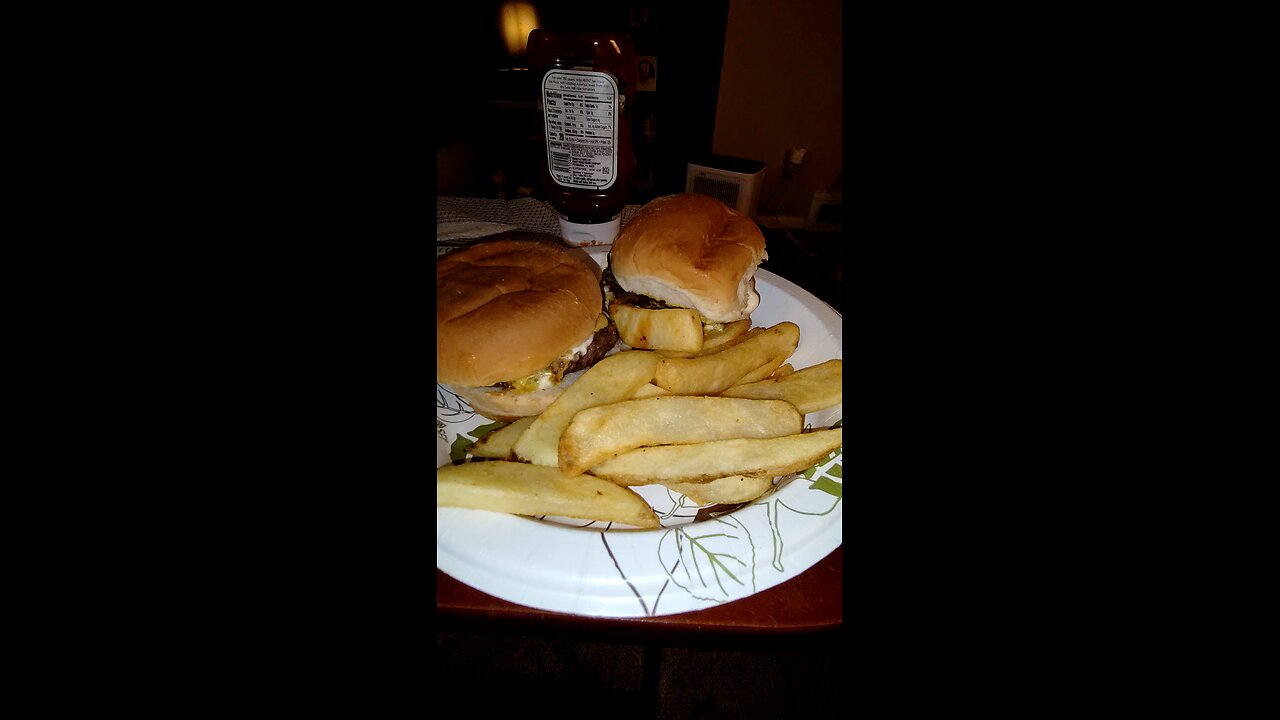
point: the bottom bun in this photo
(507, 406)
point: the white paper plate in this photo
(698, 559)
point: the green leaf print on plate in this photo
(827, 483)
(462, 444)
(711, 560)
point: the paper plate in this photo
(701, 557)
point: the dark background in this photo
(487, 94)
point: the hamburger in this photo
(682, 271)
(518, 318)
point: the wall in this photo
(781, 88)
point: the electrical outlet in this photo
(791, 164)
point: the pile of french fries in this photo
(716, 425)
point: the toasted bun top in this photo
(691, 251)
(507, 307)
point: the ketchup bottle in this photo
(585, 85)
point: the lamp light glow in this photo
(518, 20)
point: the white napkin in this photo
(466, 230)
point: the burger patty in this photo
(614, 290)
(601, 344)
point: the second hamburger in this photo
(682, 270)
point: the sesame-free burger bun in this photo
(693, 251)
(511, 308)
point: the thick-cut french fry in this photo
(810, 389)
(717, 340)
(669, 329)
(729, 334)
(764, 370)
(598, 433)
(614, 378)
(783, 370)
(498, 444)
(524, 489)
(714, 373)
(701, 462)
(649, 390)
(725, 490)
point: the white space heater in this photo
(731, 180)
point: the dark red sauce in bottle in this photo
(585, 87)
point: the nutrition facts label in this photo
(581, 111)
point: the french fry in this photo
(717, 340)
(599, 433)
(671, 328)
(614, 378)
(705, 461)
(729, 334)
(498, 444)
(649, 390)
(783, 370)
(765, 370)
(813, 388)
(714, 373)
(725, 490)
(524, 489)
